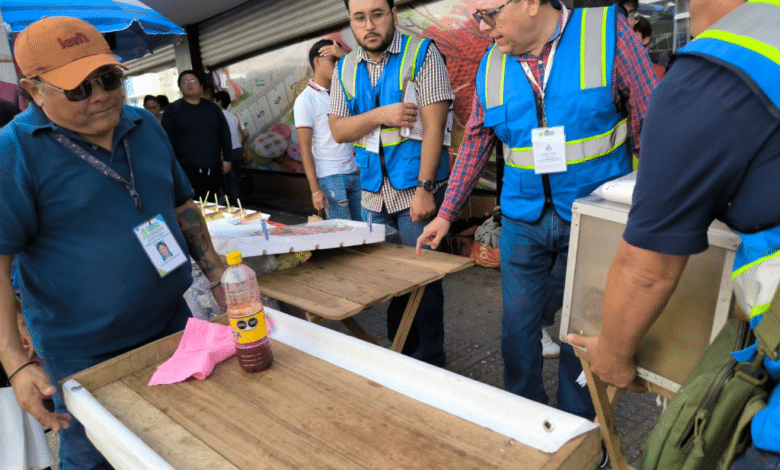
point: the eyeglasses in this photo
(487, 17)
(362, 20)
(109, 80)
(189, 81)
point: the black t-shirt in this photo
(710, 149)
(198, 133)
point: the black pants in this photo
(204, 180)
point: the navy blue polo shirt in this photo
(87, 285)
(710, 150)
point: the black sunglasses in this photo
(109, 80)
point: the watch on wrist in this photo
(426, 185)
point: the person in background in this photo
(207, 93)
(152, 105)
(711, 150)
(629, 8)
(163, 100)
(644, 31)
(402, 179)
(238, 135)
(200, 136)
(538, 97)
(81, 173)
(333, 175)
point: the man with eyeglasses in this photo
(89, 187)
(402, 176)
(200, 136)
(566, 98)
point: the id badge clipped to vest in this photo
(160, 246)
(549, 147)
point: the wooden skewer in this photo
(216, 202)
(240, 211)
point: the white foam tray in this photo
(254, 242)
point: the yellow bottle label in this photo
(250, 328)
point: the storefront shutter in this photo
(260, 25)
(163, 57)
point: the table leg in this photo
(357, 331)
(604, 400)
(406, 321)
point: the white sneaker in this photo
(550, 350)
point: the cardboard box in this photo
(696, 312)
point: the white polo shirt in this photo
(311, 111)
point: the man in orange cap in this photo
(89, 187)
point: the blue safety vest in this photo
(401, 155)
(747, 40)
(578, 96)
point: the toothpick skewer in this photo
(240, 211)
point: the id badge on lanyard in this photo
(160, 245)
(549, 143)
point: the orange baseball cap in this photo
(62, 51)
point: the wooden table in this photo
(339, 283)
(308, 412)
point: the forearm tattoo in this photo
(196, 235)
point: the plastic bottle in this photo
(246, 314)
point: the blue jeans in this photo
(343, 194)
(533, 266)
(76, 450)
(756, 459)
(426, 336)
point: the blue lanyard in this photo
(102, 167)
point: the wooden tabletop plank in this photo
(304, 405)
(172, 442)
(444, 263)
(326, 261)
(248, 436)
(328, 281)
(324, 304)
(500, 451)
(417, 272)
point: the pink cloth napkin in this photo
(203, 346)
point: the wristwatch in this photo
(426, 185)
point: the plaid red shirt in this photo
(633, 81)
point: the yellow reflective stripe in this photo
(582, 49)
(359, 145)
(771, 2)
(503, 79)
(601, 154)
(746, 267)
(604, 48)
(572, 142)
(770, 52)
(403, 63)
(759, 310)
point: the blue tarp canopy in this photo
(131, 28)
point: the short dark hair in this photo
(643, 27)
(390, 3)
(190, 72)
(149, 98)
(163, 100)
(315, 50)
(632, 3)
(223, 98)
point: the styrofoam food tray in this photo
(288, 239)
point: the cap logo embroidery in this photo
(79, 38)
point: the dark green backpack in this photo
(706, 424)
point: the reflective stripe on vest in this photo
(593, 58)
(756, 282)
(408, 72)
(577, 151)
(390, 136)
(742, 29)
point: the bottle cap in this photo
(233, 258)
